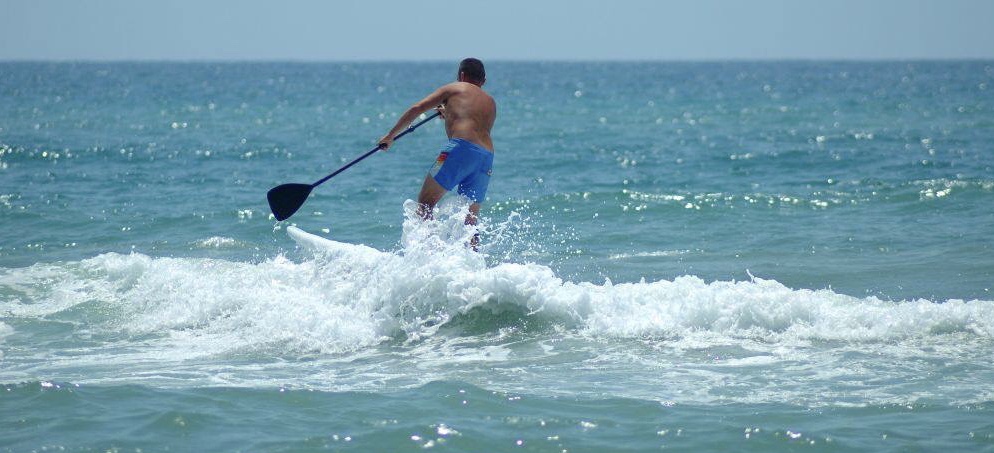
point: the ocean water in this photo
(747, 256)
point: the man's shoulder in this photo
(451, 89)
(464, 89)
(461, 87)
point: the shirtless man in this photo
(467, 159)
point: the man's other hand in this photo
(385, 142)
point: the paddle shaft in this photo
(374, 150)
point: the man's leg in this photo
(474, 212)
(431, 192)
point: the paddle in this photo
(286, 199)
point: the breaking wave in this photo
(343, 297)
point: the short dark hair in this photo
(473, 69)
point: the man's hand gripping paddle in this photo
(286, 199)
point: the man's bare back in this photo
(469, 113)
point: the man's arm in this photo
(432, 100)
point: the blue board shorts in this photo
(464, 164)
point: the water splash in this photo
(346, 297)
(337, 314)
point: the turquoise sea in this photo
(740, 256)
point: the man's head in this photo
(471, 70)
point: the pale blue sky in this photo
(498, 29)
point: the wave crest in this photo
(344, 297)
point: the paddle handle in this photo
(374, 150)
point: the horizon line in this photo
(501, 60)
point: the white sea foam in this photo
(348, 297)
(654, 254)
(195, 321)
(218, 242)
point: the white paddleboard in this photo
(320, 244)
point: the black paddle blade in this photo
(286, 199)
